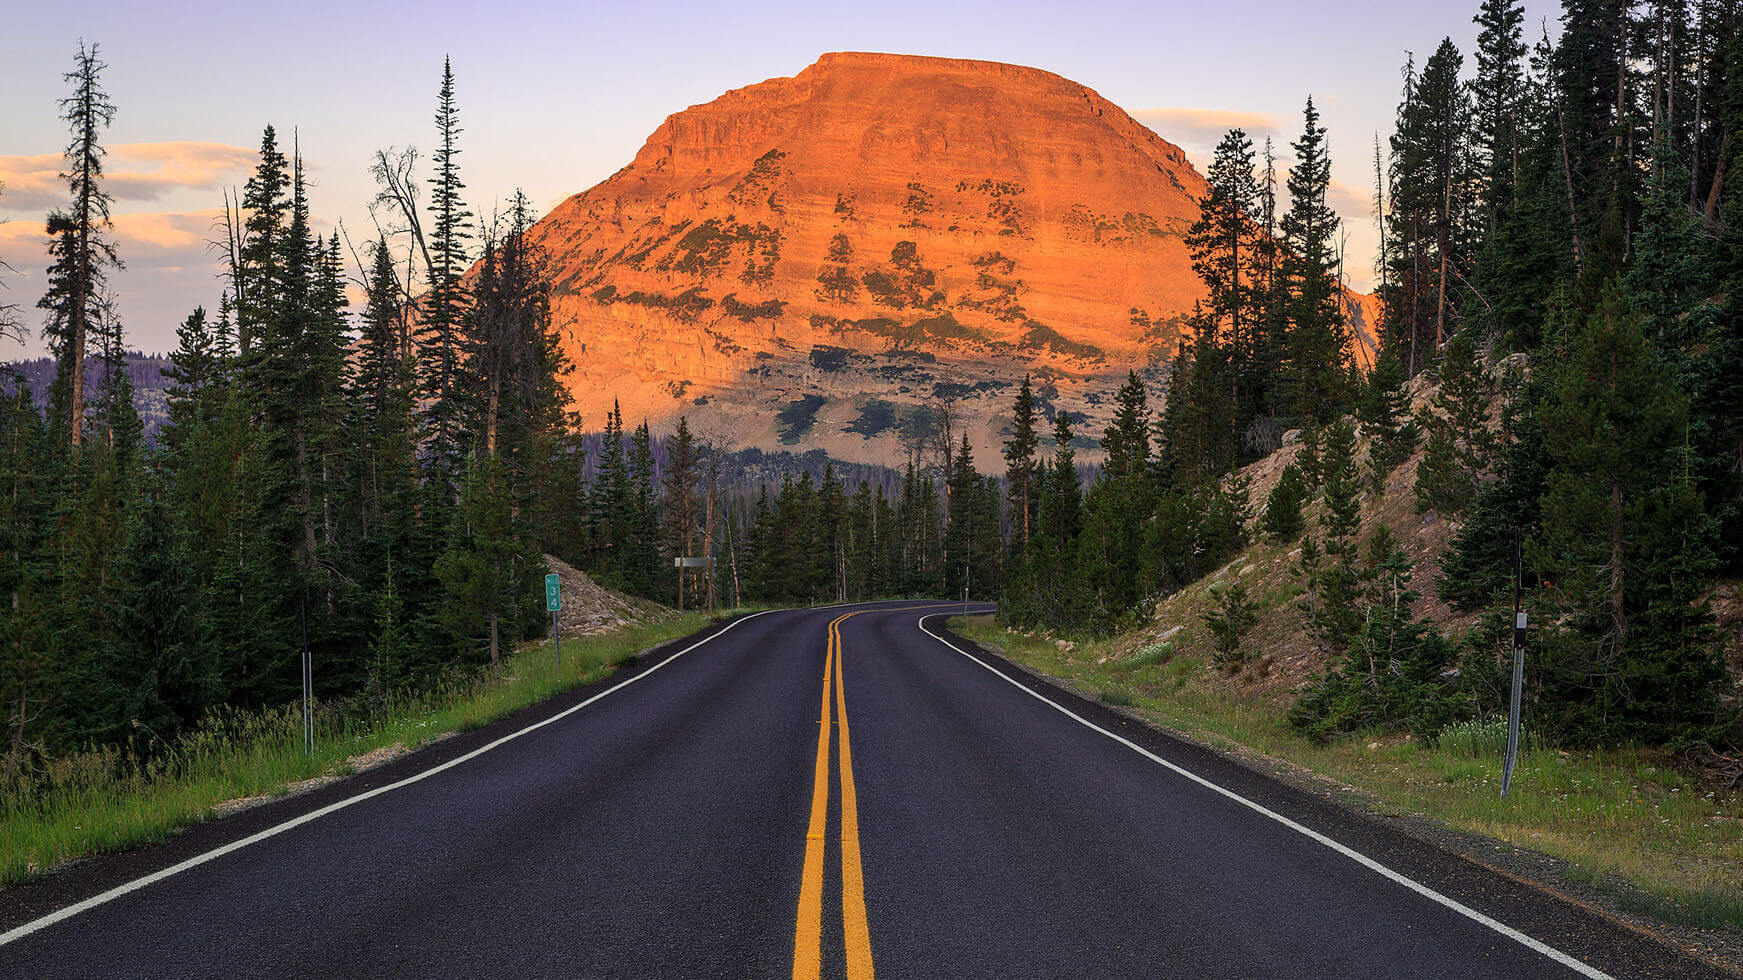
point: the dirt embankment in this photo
(590, 608)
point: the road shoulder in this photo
(87, 877)
(1454, 862)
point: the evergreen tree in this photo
(80, 244)
(1330, 562)
(1477, 566)
(258, 275)
(1391, 676)
(441, 344)
(1223, 243)
(1282, 521)
(1315, 341)
(478, 571)
(1496, 94)
(1392, 433)
(1460, 444)
(1110, 546)
(1200, 423)
(642, 571)
(1430, 235)
(1020, 467)
(30, 658)
(162, 673)
(1630, 654)
(679, 505)
(971, 542)
(1230, 620)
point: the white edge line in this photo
(1354, 855)
(132, 886)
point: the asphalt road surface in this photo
(831, 792)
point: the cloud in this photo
(134, 172)
(171, 267)
(1201, 129)
(1351, 203)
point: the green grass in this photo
(90, 810)
(1631, 822)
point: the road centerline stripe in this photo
(1578, 966)
(808, 931)
(855, 930)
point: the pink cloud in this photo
(1199, 130)
(136, 172)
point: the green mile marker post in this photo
(554, 602)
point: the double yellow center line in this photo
(808, 935)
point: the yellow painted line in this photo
(808, 934)
(853, 921)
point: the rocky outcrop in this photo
(810, 261)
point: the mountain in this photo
(811, 260)
(146, 371)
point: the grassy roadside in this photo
(92, 811)
(1629, 822)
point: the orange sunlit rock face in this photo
(807, 261)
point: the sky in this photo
(555, 97)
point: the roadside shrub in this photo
(1233, 616)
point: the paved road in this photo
(826, 792)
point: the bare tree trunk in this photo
(732, 560)
(1444, 244)
(1618, 572)
(1573, 216)
(490, 419)
(1717, 191)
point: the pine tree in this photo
(477, 571)
(1229, 621)
(1391, 675)
(828, 544)
(1223, 243)
(1200, 420)
(642, 542)
(971, 543)
(1496, 94)
(1020, 467)
(441, 345)
(1477, 565)
(162, 672)
(678, 506)
(393, 551)
(1315, 341)
(1330, 562)
(1282, 521)
(30, 658)
(1460, 445)
(1392, 433)
(1430, 233)
(258, 278)
(1111, 542)
(81, 246)
(1631, 655)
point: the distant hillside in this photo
(145, 370)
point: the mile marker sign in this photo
(554, 603)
